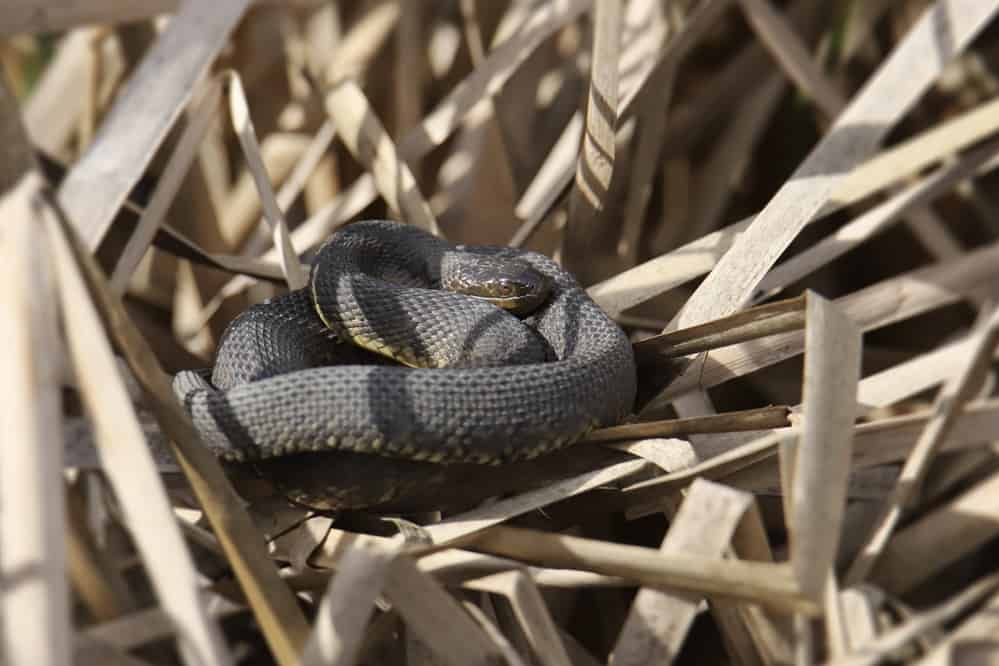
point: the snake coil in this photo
(377, 274)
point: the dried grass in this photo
(839, 508)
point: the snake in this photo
(379, 354)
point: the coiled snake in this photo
(563, 371)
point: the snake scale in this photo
(562, 371)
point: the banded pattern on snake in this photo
(564, 370)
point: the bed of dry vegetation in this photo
(789, 206)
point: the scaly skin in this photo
(489, 415)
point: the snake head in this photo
(508, 283)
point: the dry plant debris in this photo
(807, 480)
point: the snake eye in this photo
(505, 289)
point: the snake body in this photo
(560, 373)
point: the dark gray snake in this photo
(572, 370)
